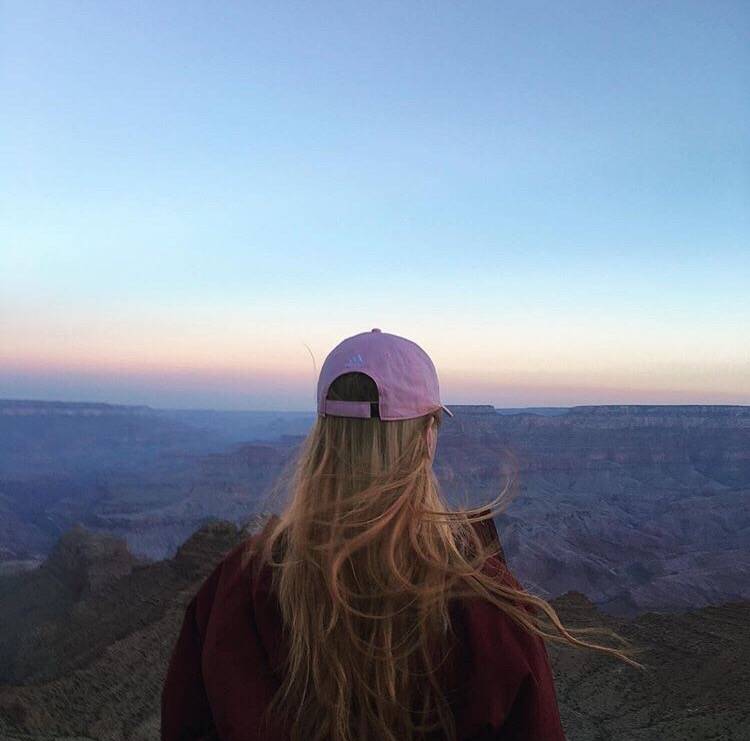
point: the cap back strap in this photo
(337, 408)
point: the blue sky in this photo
(551, 198)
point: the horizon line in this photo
(314, 411)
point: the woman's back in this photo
(232, 650)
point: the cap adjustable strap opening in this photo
(364, 409)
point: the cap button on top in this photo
(375, 329)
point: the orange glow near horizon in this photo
(170, 358)
(298, 384)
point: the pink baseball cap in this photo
(403, 372)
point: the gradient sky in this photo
(552, 199)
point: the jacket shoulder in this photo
(507, 679)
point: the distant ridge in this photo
(69, 408)
(37, 406)
(471, 408)
(737, 409)
(544, 411)
(479, 409)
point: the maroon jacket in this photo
(221, 674)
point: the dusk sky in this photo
(551, 198)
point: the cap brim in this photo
(446, 410)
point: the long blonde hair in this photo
(367, 556)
